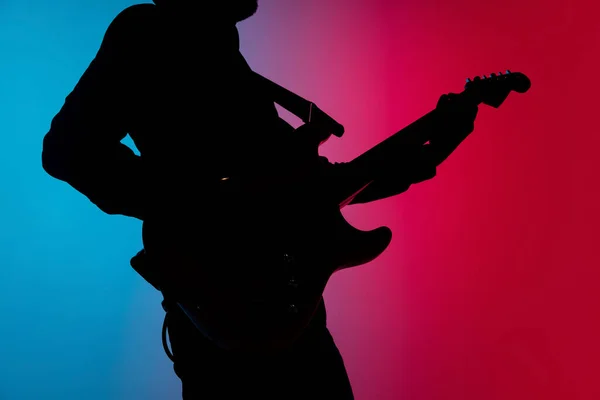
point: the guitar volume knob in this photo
(293, 309)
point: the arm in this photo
(454, 122)
(421, 169)
(83, 146)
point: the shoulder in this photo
(132, 24)
(136, 14)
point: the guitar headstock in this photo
(493, 89)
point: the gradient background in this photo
(490, 288)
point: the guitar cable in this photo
(164, 332)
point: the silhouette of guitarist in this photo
(171, 75)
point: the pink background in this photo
(489, 289)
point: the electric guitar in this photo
(255, 271)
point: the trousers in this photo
(312, 369)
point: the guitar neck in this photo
(375, 162)
(401, 150)
(407, 141)
(401, 144)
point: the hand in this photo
(425, 167)
(456, 120)
(457, 116)
(312, 133)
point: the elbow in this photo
(55, 158)
(49, 163)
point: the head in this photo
(231, 11)
(238, 10)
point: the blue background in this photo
(77, 321)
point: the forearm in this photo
(442, 145)
(83, 146)
(111, 178)
(397, 177)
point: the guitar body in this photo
(268, 248)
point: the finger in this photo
(442, 100)
(447, 99)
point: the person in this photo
(171, 75)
